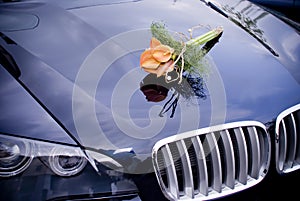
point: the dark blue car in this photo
(283, 3)
(148, 100)
(283, 8)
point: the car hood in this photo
(81, 62)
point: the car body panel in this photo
(80, 63)
(287, 3)
(21, 114)
(57, 65)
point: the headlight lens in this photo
(16, 154)
(66, 162)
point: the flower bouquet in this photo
(166, 54)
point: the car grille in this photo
(212, 162)
(288, 140)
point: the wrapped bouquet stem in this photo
(167, 54)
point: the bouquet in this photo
(166, 54)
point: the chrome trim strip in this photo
(287, 112)
(205, 130)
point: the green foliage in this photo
(193, 55)
(160, 32)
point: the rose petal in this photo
(154, 42)
(162, 53)
(147, 60)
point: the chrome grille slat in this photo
(297, 119)
(283, 145)
(292, 141)
(287, 142)
(216, 162)
(187, 171)
(171, 171)
(212, 162)
(230, 161)
(254, 143)
(263, 146)
(243, 155)
(202, 167)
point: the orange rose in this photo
(157, 58)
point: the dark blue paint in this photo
(257, 57)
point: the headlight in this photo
(16, 154)
(66, 162)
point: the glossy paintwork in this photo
(288, 3)
(80, 83)
(22, 115)
(255, 83)
(269, 30)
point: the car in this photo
(282, 8)
(287, 3)
(148, 100)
